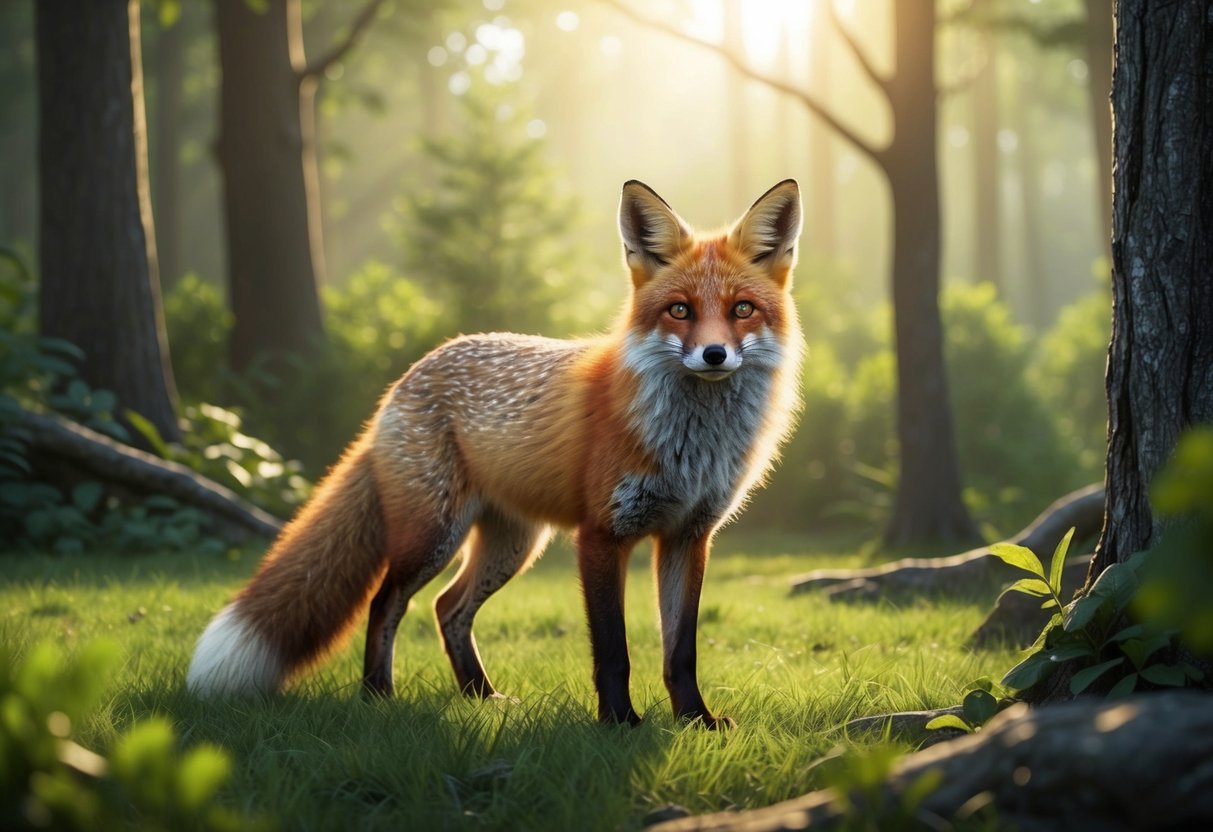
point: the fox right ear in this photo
(652, 231)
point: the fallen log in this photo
(1081, 509)
(1136, 763)
(115, 463)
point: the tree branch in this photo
(341, 48)
(881, 81)
(876, 154)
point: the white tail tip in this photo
(232, 659)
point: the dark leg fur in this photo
(602, 559)
(680, 565)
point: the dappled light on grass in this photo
(790, 670)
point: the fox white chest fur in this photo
(699, 433)
(659, 429)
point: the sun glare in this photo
(763, 25)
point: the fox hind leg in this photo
(412, 563)
(501, 547)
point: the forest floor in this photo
(790, 670)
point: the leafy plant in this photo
(48, 780)
(1090, 634)
(215, 445)
(981, 702)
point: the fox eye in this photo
(743, 309)
(680, 311)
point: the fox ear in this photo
(652, 231)
(768, 233)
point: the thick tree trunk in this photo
(1098, 38)
(100, 288)
(928, 508)
(1160, 364)
(166, 178)
(267, 155)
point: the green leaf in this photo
(1029, 672)
(77, 392)
(1078, 613)
(1057, 565)
(104, 401)
(87, 495)
(1018, 556)
(949, 721)
(1124, 687)
(1083, 678)
(148, 431)
(1168, 675)
(1132, 631)
(1070, 651)
(161, 502)
(1029, 586)
(202, 772)
(979, 707)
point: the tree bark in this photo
(1160, 364)
(166, 167)
(1141, 763)
(928, 506)
(100, 288)
(266, 152)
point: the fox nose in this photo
(715, 354)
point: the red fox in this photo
(659, 429)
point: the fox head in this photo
(710, 303)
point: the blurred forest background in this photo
(468, 156)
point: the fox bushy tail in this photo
(307, 592)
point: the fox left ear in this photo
(769, 232)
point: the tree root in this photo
(1144, 762)
(1081, 509)
(114, 463)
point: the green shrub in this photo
(844, 457)
(1067, 371)
(38, 374)
(48, 781)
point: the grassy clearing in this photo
(789, 670)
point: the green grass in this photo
(790, 670)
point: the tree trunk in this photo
(1160, 364)
(1097, 40)
(100, 288)
(271, 204)
(1036, 289)
(987, 257)
(166, 168)
(928, 508)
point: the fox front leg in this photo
(602, 559)
(680, 564)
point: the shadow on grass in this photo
(427, 759)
